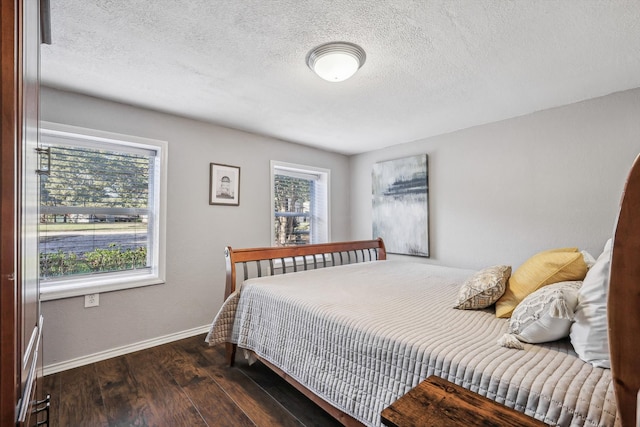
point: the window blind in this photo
(94, 208)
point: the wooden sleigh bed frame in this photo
(280, 260)
(623, 306)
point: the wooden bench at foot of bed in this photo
(438, 402)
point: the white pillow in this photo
(544, 315)
(588, 259)
(589, 331)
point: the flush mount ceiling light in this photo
(336, 61)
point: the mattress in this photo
(362, 335)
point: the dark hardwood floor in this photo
(184, 383)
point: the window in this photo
(101, 219)
(300, 204)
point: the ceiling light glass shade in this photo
(336, 61)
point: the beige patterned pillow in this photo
(483, 288)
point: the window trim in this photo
(303, 171)
(58, 288)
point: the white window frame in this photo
(323, 181)
(57, 288)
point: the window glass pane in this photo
(292, 210)
(300, 201)
(94, 211)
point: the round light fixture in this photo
(336, 61)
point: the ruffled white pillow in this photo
(543, 316)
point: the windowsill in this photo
(66, 288)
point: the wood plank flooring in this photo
(184, 383)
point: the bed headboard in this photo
(623, 305)
(258, 262)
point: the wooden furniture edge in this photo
(624, 301)
(10, 293)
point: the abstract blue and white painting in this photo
(401, 205)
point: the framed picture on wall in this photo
(400, 210)
(224, 185)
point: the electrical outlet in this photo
(92, 300)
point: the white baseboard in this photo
(119, 351)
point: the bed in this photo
(354, 331)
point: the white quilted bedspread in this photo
(362, 335)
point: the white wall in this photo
(500, 192)
(196, 232)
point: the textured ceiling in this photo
(432, 66)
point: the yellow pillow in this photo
(542, 269)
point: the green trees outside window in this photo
(93, 211)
